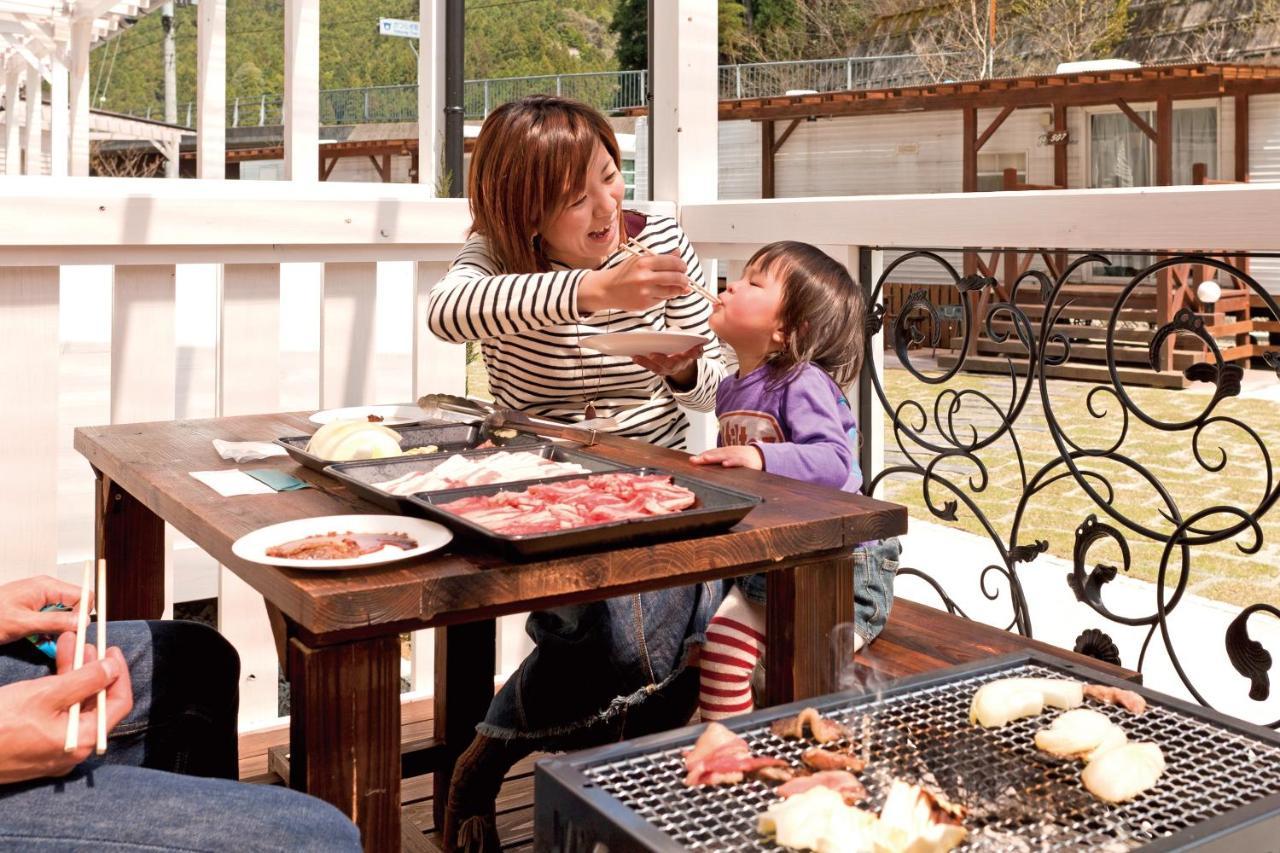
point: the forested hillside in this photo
(505, 38)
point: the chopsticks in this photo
(82, 628)
(635, 248)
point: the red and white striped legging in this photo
(735, 643)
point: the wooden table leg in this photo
(805, 603)
(131, 538)
(465, 658)
(344, 732)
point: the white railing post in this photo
(81, 35)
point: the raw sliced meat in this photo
(842, 782)
(719, 757)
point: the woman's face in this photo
(585, 230)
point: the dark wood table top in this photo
(152, 461)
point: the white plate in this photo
(642, 343)
(429, 535)
(405, 413)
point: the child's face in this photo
(747, 316)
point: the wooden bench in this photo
(919, 638)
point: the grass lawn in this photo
(1219, 571)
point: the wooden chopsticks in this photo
(82, 629)
(634, 247)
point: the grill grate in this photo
(1017, 797)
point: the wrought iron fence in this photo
(608, 91)
(1116, 478)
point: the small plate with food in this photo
(341, 541)
(643, 343)
(387, 415)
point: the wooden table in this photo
(339, 630)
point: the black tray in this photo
(449, 436)
(717, 508)
(362, 474)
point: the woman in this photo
(541, 271)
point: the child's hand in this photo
(738, 456)
(681, 368)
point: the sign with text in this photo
(398, 27)
(1055, 137)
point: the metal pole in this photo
(366, 104)
(737, 81)
(235, 113)
(848, 74)
(486, 99)
(648, 95)
(454, 27)
(262, 111)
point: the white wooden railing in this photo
(155, 252)
(144, 238)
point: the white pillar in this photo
(81, 36)
(12, 126)
(211, 90)
(58, 118)
(430, 93)
(35, 121)
(685, 125)
(685, 101)
(302, 90)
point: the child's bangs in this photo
(775, 260)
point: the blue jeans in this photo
(139, 795)
(605, 670)
(874, 566)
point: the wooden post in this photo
(430, 94)
(344, 732)
(131, 539)
(1060, 151)
(805, 603)
(969, 184)
(35, 122)
(1164, 141)
(211, 90)
(1242, 137)
(766, 159)
(81, 36)
(301, 90)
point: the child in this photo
(796, 322)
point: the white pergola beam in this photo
(12, 125)
(302, 90)
(211, 90)
(58, 117)
(79, 98)
(35, 120)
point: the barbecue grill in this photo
(1220, 790)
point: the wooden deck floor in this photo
(418, 829)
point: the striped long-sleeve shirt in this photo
(531, 333)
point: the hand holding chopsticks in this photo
(82, 626)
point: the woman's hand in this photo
(33, 714)
(633, 285)
(737, 456)
(681, 368)
(20, 603)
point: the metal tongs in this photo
(499, 425)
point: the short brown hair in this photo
(823, 311)
(531, 160)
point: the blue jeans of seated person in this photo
(136, 797)
(604, 670)
(874, 566)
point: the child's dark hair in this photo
(823, 311)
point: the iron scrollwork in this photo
(942, 432)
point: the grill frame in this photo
(573, 813)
